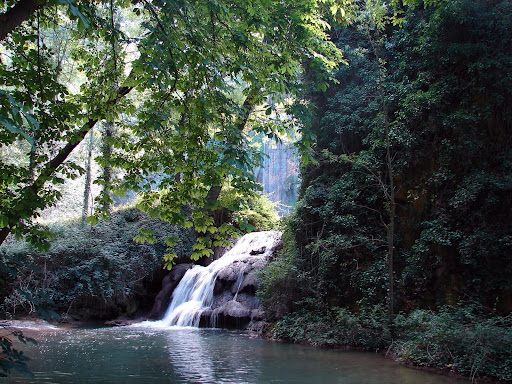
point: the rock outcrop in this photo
(223, 294)
(169, 283)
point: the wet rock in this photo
(258, 251)
(169, 283)
(248, 300)
(205, 321)
(221, 286)
(234, 303)
(232, 271)
(238, 280)
(232, 315)
(250, 283)
(258, 315)
(257, 326)
(118, 323)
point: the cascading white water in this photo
(238, 284)
(194, 293)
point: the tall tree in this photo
(374, 19)
(88, 177)
(192, 57)
(191, 133)
(38, 109)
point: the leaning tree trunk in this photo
(24, 206)
(16, 15)
(248, 107)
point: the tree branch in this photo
(248, 107)
(30, 191)
(16, 15)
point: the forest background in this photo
(401, 236)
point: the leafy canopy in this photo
(170, 74)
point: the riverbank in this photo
(451, 342)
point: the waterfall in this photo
(279, 174)
(195, 293)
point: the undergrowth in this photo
(95, 271)
(461, 340)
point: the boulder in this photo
(233, 302)
(232, 315)
(118, 323)
(169, 283)
(258, 251)
(258, 315)
(250, 283)
(248, 300)
(257, 327)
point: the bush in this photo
(98, 271)
(255, 210)
(457, 339)
(278, 289)
(337, 327)
(309, 327)
(282, 284)
(260, 212)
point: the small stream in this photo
(145, 354)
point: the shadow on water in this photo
(145, 354)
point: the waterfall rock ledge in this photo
(232, 301)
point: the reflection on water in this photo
(190, 356)
(187, 355)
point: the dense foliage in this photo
(186, 86)
(401, 237)
(433, 89)
(181, 81)
(103, 271)
(90, 272)
(452, 339)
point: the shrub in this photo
(459, 339)
(260, 212)
(94, 267)
(255, 210)
(305, 326)
(338, 327)
(281, 282)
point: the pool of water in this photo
(158, 355)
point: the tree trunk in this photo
(215, 190)
(389, 190)
(87, 186)
(391, 225)
(16, 15)
(29, 193)
(4, 232)
(248, 107)
(107, 156)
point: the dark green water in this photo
(153, 355)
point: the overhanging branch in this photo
(16, 15)
(30, 191)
